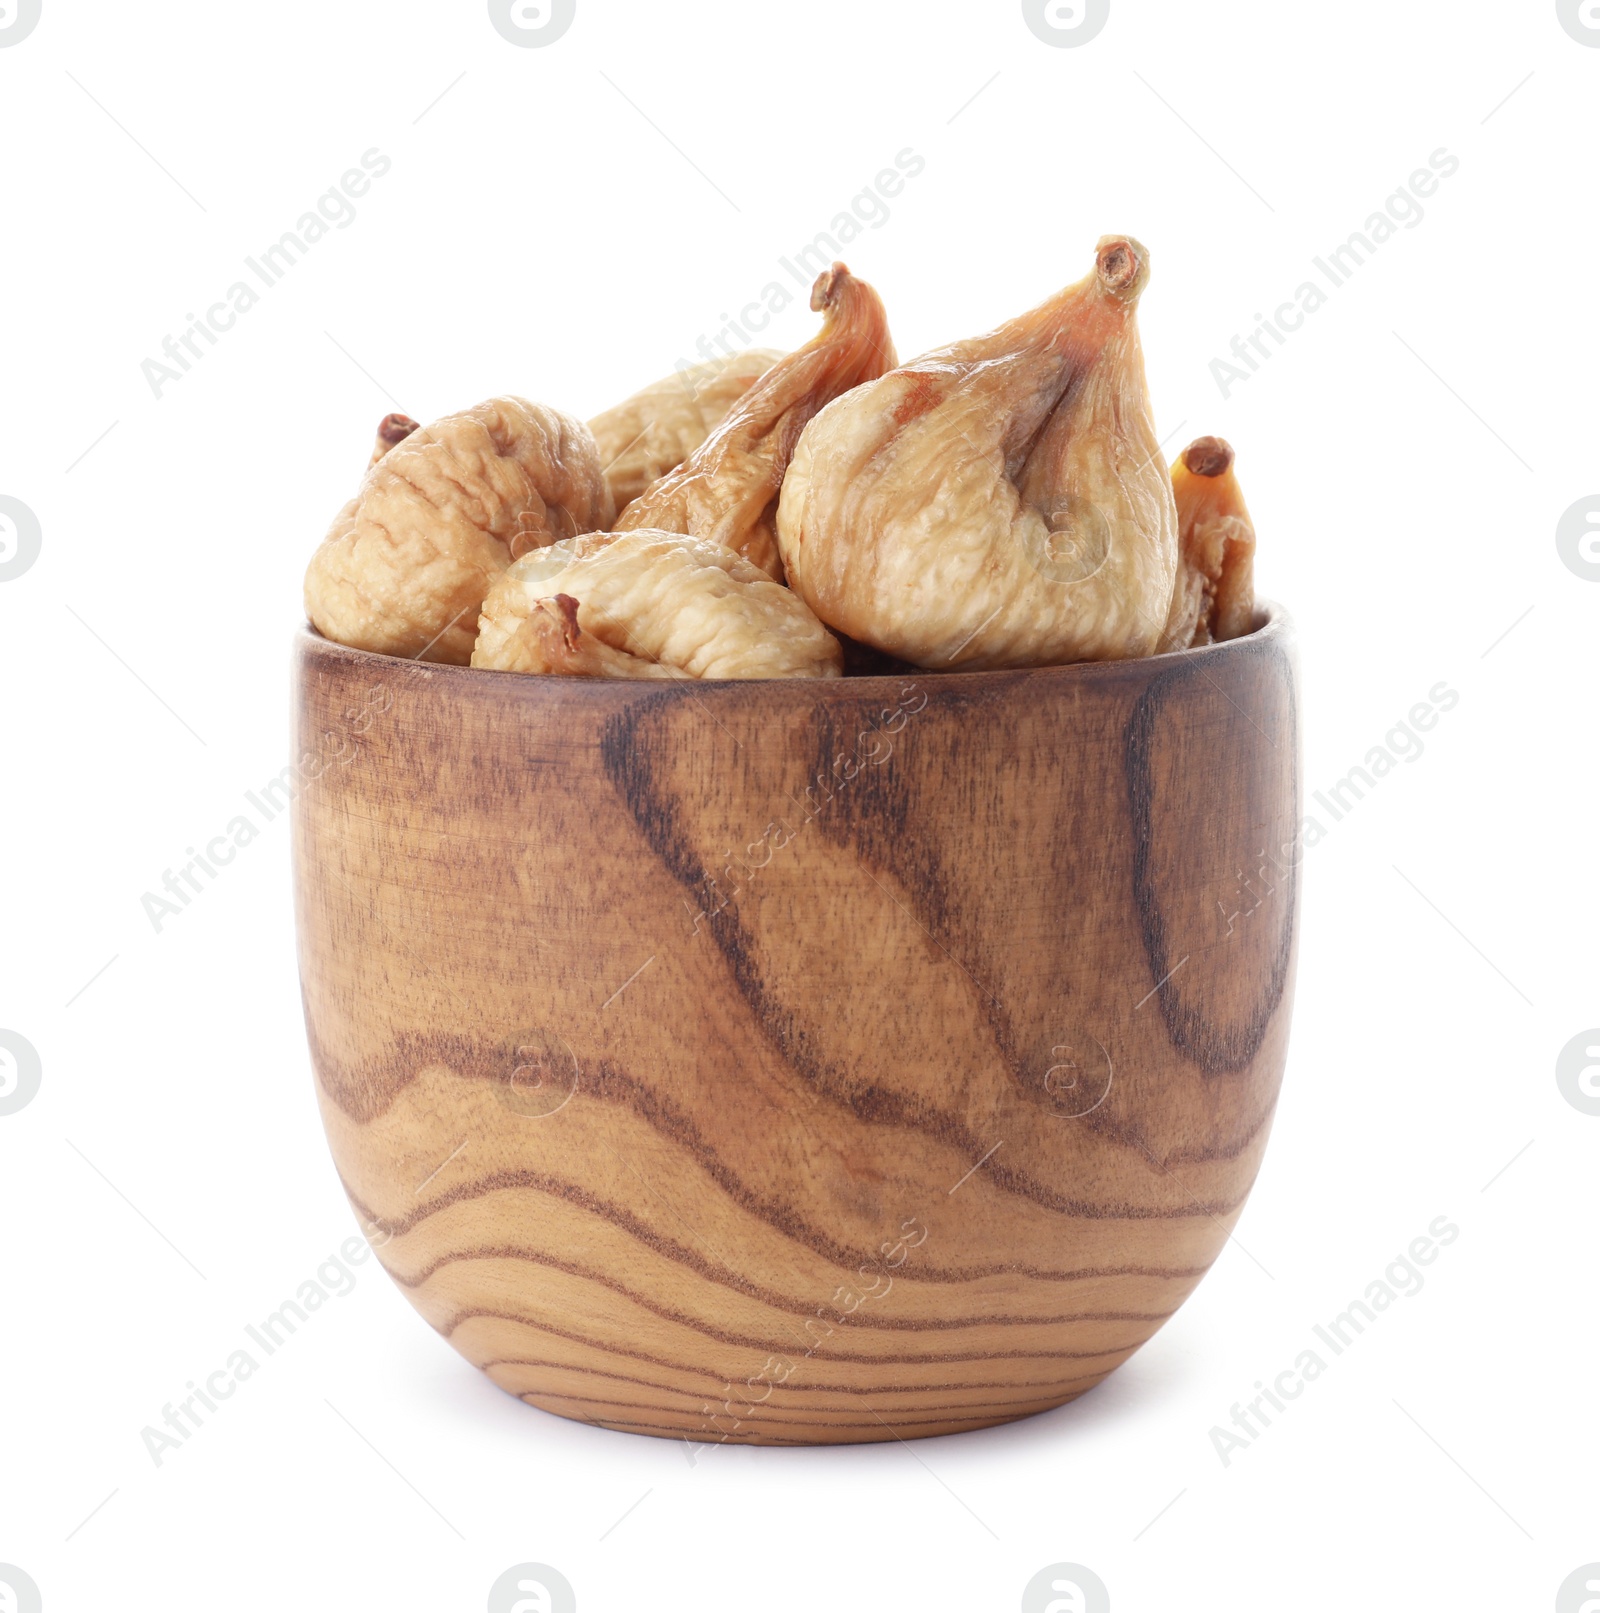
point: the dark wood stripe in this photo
(1216, 1049)
(608, 1082)
(1044, 1403)
(631, 759)
(483, 1314)
(875, 1322)
(367, 1091)
(626, 1221)
(494, 1363)
(806, 1415)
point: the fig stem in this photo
(1208, 456)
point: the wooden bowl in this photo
(799, 1062)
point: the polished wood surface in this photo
(800, 1061)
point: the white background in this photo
(566, 222)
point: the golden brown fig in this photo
(1000, 502)
(727, 490)
(392, 429)
(655, 430)
(649, 605)
(407, 562)
(1214, 597)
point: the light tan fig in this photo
(727, 489)
(1000, 502)
(655, 430)
(392, 429)
(649, 605)
(407, 563)
(1214, 598)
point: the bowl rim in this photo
(1274, 627)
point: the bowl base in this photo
(714, 1425)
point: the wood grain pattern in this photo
(803, 1061)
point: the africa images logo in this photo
(532, 1588)
(18, 19)
(18, 1593)
(532, 24)
(1580, 1590)
(1581, 19)
(20, 536)
(1066, 1588)
(1066, 24)
(20, 1076)
(1578, 1072)
(1578, 536)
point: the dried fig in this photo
(727, 489)
(655, 430)
(408, 562)
(1000, 502)
(649, 604)
(1214, 597)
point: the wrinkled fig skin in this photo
(1214, 597)
(1001, 502)
(727, 490)
(407, 563)
(649, 605)
(655, 430)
